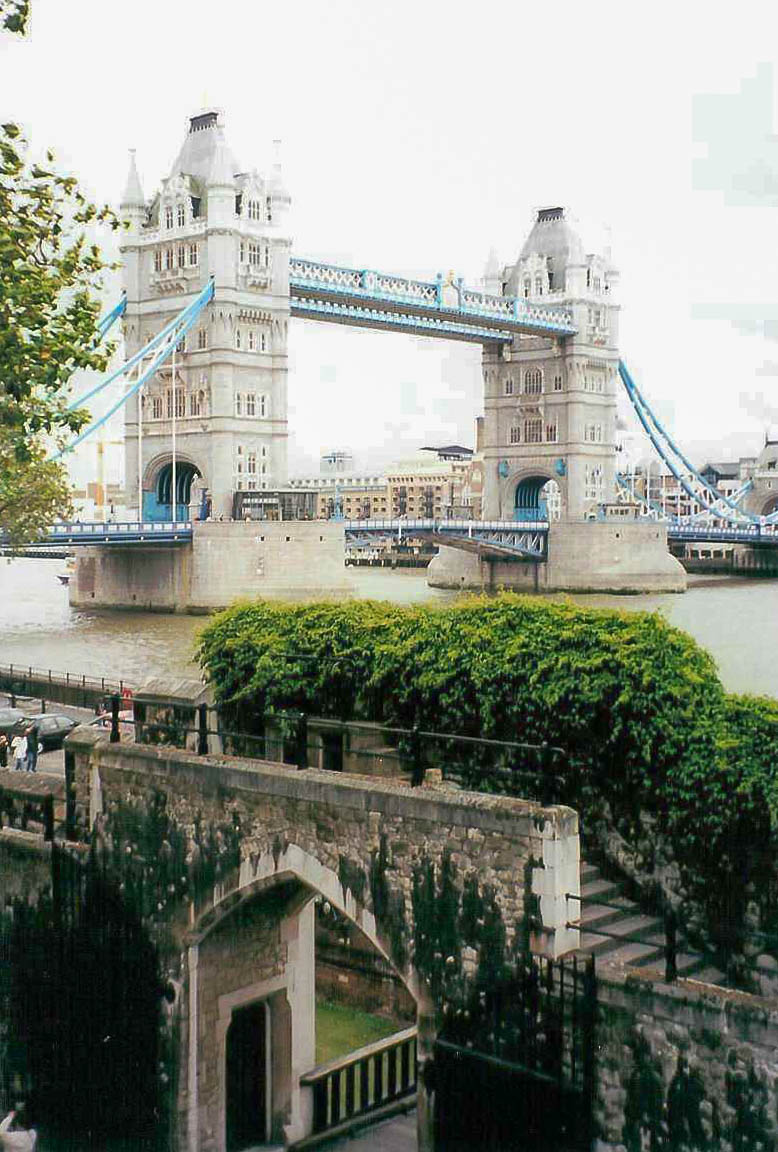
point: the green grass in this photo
(340, 1029)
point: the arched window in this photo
(181, 211)
(515, 434)
(202, 338)
(527, 287)
(237, 338)
(251, 339)
(509, 386)
(158, 260)
(156, 408)
(255, 211)
(264, 409)
(533, 430)
(538, 286)
(269, 209)
(558, 382)
(193, 255)
(168, 259)
(251, 404)
(263, 342)
(533, 382)
(181, 256)
(251, 467)
(238, 404)
(169, 216)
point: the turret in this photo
(132, 209)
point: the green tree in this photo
(33, 492)
(50, 278)
(14, 15)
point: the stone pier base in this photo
(611, 556)
(225, 562)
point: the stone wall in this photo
(25, 866)
(684, 1066)
(326, 828)
(225, 562)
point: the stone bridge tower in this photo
(549, 404)
(208, 219)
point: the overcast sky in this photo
(418, 135)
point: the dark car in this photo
(52, 730)
(9, 720)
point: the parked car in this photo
(52, 728)
(9, 719)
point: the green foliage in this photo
(636, 705)
(14, 15)
(33, 492)
(50, 278)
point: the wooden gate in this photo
(514, 1066)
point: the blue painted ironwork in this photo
(192, 309)
(181, 325)
(706, 495)
(414, 325)
(105, 323)
(523, 539)
(124, 532)
(442, 302)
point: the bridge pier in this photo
(225, 562)
(600, 556)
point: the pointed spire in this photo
(280, 192)
(221, 173)
(133, 192)
(492, 277)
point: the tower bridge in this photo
(211, 285)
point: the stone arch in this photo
(157, 481)
(530, 494)
(258, 874)
(293, 876)
(770, 505)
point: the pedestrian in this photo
(3, 750)
(32, 748)
(19, 751)
(15, 1133)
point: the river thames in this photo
(735, 619)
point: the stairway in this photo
(605, 925)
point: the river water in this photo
(735, 619)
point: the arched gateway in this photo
(246, 1005)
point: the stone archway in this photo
(770, 505)
(250, 967)
(158, 483)
(537, 497)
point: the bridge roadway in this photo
(525, 539)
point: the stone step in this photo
(636, 955)
(599, 889)
(589, 872)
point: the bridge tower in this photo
(550, 404)
(208, 219)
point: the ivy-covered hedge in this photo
(636, 704)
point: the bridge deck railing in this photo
(353, 1088)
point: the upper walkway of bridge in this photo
(439, 308)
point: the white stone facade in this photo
(549, 404)
(210, 220)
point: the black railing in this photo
(533, 771)
(74, 688)
(355, 1086)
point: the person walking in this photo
(19, 751)
(32, 748)
(3, 750)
